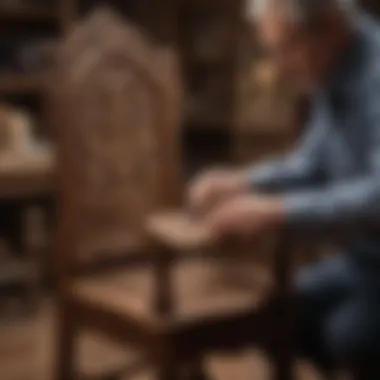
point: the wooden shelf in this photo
(217, 61)
(199, 4)
(29, 13)
(19, 84)
(13, 83)
(14, 272)
(208, 37)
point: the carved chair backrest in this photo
(116, 111)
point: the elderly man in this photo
(332, 51)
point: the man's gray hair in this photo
(302, 11)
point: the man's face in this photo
(301, 55)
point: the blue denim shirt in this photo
(333, 176)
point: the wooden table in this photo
(26, 185)
(26, 177)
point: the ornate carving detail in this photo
(110, 112)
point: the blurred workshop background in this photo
(228, 107)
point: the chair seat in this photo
(200, 292)
(111, 246)
(179, 230)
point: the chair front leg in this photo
(166, 360)
(195, 370)
(65, 351)
(168, 367)
(34, 245)
(283, 354)
(282, 351)
(164, 302)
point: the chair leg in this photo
(65, 354)
(167, 364)
(283, 354)
(168, 370)
(282, 367)
(178, 370)
(332, 375)
(196, 370)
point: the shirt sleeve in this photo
(349, 201)
(301, 168)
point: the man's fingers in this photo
(199, 196)
(229, 220)
(218, 220)
(195, 193)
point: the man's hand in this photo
(216, 186)
(246, 216)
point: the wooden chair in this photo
(115, 110)
(114, 103)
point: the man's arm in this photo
(348, 201)
(302, 168)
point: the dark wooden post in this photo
(283, 353)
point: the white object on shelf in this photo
(19, 151)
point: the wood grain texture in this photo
(27, 348)
(116, 113)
